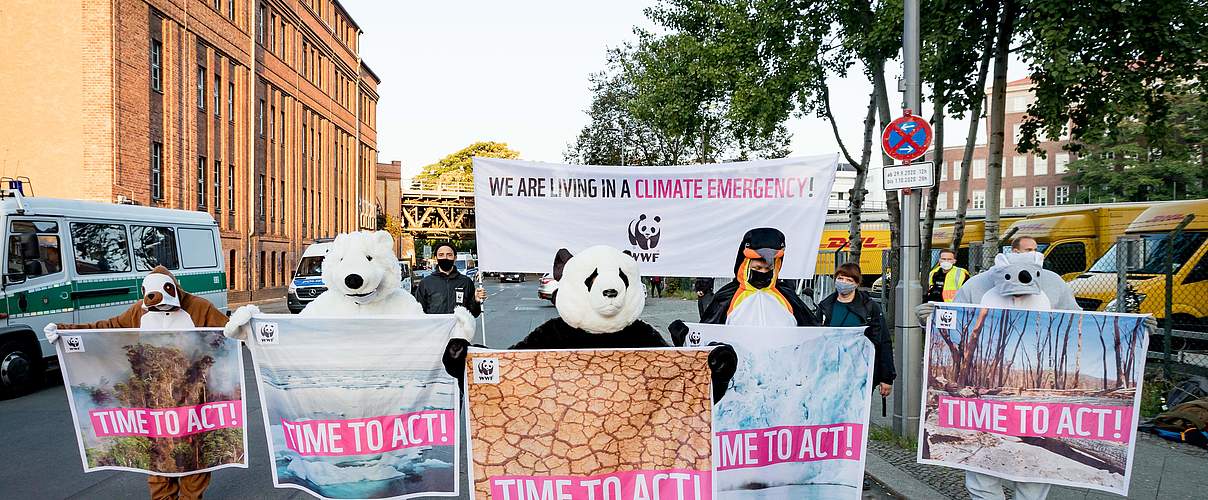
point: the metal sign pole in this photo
(908, 337)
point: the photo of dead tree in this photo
(1027, 356)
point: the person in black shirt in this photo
(446, 288)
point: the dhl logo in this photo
(837, 242)
(1163, 218)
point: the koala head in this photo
(1017, 273)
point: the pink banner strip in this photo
(363, 436)
(1015, 418)
(670, 484)
(166, 422)
(792, 443)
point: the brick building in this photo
(1027, 179)
(259, 112)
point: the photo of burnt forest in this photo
(1027, 357)
(157, 370)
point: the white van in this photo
(70, 261)
(308, 278)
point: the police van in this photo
(71, 261)
(308, 277)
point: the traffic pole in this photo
(908, 337)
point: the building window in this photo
(281, 207)
(1017, 129)
(979, 199)
(1019, 103)
(231, 189)
(1040, 196)
(979, 169)
(217, 186)
(1019, 197)
(157, 171)
(260, 118)
(1040, 167)
(217, 95)
(231, 9)
(1019, 166)
(1062, 195)
(260, 197)
(272, 34)
(231, 271)
(156, 49)
(272, 201)
(1059, 163)
(305, 194)
(201, 88)
(231, 101)
(261, 271)
(941, 202)
(201, 183)
(272, 128)
(260, 25)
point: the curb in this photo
(898, 481)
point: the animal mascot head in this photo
(362, 267)
(756, 297)
(1018, 280)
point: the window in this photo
(281, 201)
(231, 271)
(1040, 167)
(157, 171)
(1040, 196)
(1019, 197)
(197, 248)
(260, 118)
(156, 49)
(217, 186)
(941, 202)
(201, 183)
(272, 34)
(100, 248)
(231, 9)
(260, 25)
(260, 196)
(979, 199)
(272, 200)
(261, 270)
(1017, 129)
(1019, 166)
(1018, 104)
(1059, 163)
(154, 246)
(1198, 273)
(201, 88)
(231, 101)
(272, 129)
(217, 95)
(979, 169)
(231, 189)
(944, 171)
(33, 248)
(305, 195)
(1066, 258)
(1062, 196)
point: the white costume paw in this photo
(465, 323)
(51, 331)
(238, 325)
(924, 311)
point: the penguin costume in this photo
(758, 298)
(600, 297)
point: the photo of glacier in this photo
(341, 369)
(793, 377)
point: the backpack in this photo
(1185, 423)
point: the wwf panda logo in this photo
(694, 338)
(486, 371)
(267, 333)
(644, 232)
(74, 343)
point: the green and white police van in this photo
(70, 261)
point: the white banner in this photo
(675, 220)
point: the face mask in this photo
(844, 287)
(759, 279)
(945, 265)
(445, 265)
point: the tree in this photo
(458, 167)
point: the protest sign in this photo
(167, 403)
(358, 407)
(1036, 396)
(793, 423)
(676, 221)
(606, 424)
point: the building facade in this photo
(258, 112)
(1027, 179)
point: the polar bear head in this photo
(599, 290)
(362, 267)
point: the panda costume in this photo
(600, 297)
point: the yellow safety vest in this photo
(952, 281)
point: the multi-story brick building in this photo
(1027, 179)
(259, 112)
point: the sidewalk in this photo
(1161, 469)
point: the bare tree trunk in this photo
(1119, 358)
(854, 238)
(998, 101)
(975, 115)
(1078, 357)
(892, 205)
(933, 194)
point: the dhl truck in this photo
(875, 243)
(1095, 290)
(1073, 240)
(975, 231)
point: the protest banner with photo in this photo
(676, 221)
(166, 403)
(358, 407)
(1036, 396)
(793, 423)
(607, 424)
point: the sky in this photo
(517, 72)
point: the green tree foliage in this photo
(458, 167)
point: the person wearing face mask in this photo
(945, 278)
(756, 297)
(850, 306)
(446, 288)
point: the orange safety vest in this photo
(952, 281)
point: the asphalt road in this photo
(42, 459)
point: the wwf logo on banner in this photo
(74, 343)
(644, 233)
(486, 371)
(267, 334)
(694, 339)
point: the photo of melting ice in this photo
(337, 369)
(828, 382)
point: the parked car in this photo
(406, 272)
(308, 277)
(548, 289)
(517, 277)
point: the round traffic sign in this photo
(906, 138)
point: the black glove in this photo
(455, 359)
(722, 363)
(678, 331)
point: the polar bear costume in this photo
(363, 278)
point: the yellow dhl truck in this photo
(875, 243)
(1073, 240)
(1095, 290)
(975, 231)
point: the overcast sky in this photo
(517, 72)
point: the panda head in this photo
(599, 290)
